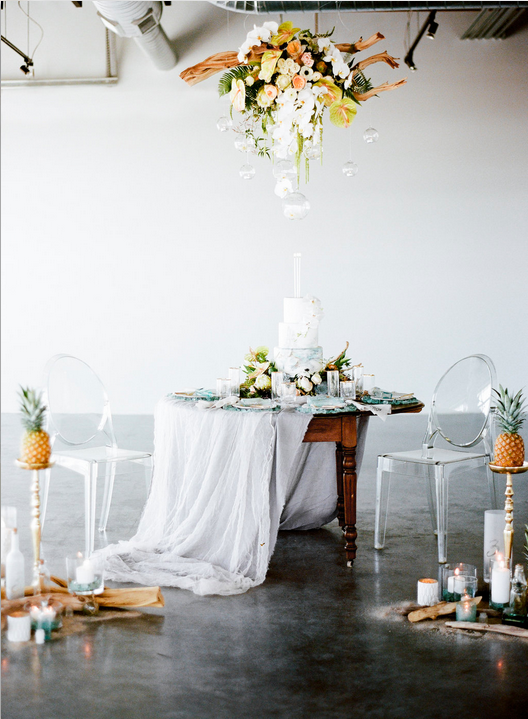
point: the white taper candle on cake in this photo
(297, 274)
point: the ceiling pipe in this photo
(279, 7)
(140, 21)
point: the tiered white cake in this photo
(298, 350)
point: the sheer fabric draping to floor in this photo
(224, 483)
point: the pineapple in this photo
(36, 448)
(509, 445)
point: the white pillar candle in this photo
(427, 592)
(500, 583)
(459, 584)
(84, 574)
(18, 627)
(451, 581)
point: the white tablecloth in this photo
(224, 483)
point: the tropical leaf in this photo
(333, 91)
(268, 64)
(238, 95)
(284, 34)
(342, 112)
(239, 72)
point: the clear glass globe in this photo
(284, 170)
(295, 206)
(371, 135)
(350, 169)
(247, 172)
(312, 152)
(224, 123)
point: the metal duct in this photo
(277, 7)
(140, 21)
(492, 24)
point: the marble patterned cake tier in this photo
(291, 361)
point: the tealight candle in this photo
(84, 574)
(427, 592)
(466, 610)
(451, 581)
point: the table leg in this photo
(508, 529)
(348, 450)
(339, 476)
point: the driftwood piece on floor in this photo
(437, 610)
(497, 628)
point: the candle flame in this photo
(457, 571)
(79, 555)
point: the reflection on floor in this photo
(315, 640)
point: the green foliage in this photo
(360, 85)
(32, 409)
(240, 72)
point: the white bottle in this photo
(15, 574)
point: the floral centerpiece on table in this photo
(341, 363)
(258, 373)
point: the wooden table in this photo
(342, 429)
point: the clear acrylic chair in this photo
(460, 414)
(82, 436)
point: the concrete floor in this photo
(315, 640)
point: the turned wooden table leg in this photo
(348, 450)
(339, 476)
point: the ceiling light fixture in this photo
(429, 26)
(28, 62)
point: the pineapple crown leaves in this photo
(32, 409)
(509, 410)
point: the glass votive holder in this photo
(288, 392)
(277, 379)
(18, 626)
(332, 382)
(223, 387)
(499, 583)
(357, 376)
(347, 390)
(85, 576)
(369, 382)
(44, 615)
(466, 610)
(454, 580)
(234, 381)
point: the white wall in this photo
(130, 240)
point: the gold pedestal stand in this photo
(35, 518)
(508, 504)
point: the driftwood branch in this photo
(380, 57)
(381, 88)
(437, 610)
(497, 628)
(361, 44)
(215, 63)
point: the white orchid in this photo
(306, 101)
(283, 187)
(324, 44)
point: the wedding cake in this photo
(298, 351)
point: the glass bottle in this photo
(15, 570)
(516, 612)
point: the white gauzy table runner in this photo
(224, 483)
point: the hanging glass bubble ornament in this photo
(370, 135)
(247, 172)
(224, 123)
(295, 206)
(285, 170)
(350, 169)
(311, 151)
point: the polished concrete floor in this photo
(315, 640)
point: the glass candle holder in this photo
(85, 576)
(18, 627)
(466, 610)
(369, 382)
(454, 580)
(500, 583)
(332, 381)
(234, 381)
(288, 392)
(277, 379)
(357, 376)
(347, 390)
(223, 387)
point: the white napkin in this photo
(203, 404)
(380, 410)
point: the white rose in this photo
(304, 384)
(263, 382)
(316, 378)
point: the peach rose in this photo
(307, 59)
(298, 82)
(294, 49)
(270, 91)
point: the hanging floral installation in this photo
(283, 81)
